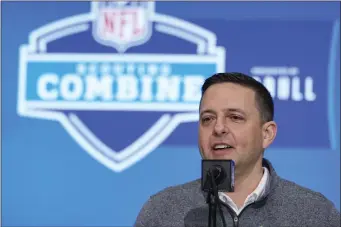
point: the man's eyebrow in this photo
(235, 110)
(207, 111)
(227, 110)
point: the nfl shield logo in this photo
(122, 24)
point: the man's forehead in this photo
(229, 94)
(228, 91)
(229, 87)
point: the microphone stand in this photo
(213, 201)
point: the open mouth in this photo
(222, 147)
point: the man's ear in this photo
(269, 132)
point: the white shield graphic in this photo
(122, 24)
(36, 52)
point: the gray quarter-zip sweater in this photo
(284, 204)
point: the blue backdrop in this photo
(99, 102)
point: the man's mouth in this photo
(221, 147)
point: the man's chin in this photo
(219, 157)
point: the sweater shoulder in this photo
(187, 191)
(301, 200)
(170, 204)
(293, 190)
(300, 205)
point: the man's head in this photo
(236, 119)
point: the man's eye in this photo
(236, 117)
(206, 119)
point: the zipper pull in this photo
(235, 220)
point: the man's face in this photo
(230, 125)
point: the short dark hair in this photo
(263, 97)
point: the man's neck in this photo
(245, 183)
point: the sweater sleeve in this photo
(334, 217)
(147, 216)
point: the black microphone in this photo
(217, 175)
(222, 172)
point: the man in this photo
(236, 122)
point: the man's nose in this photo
(220, 127)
